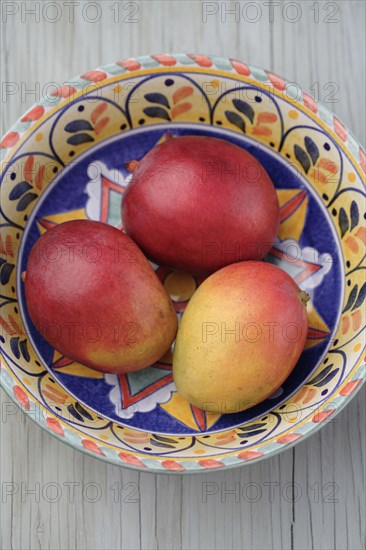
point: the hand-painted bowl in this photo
(71, 156)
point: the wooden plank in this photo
(198, 511)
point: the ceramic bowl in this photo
(71, 157)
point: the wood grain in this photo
(310, 497)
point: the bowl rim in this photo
(152, 470)
(179, 62)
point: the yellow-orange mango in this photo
(240, 336)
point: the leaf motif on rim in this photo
(24, 350)
(156, 112)
(302, 157)
(83, 412)
(75, 413)
(343, 222)
(322, 374)
(252, 427)
(245, 108)
(5, 271)
(235, 119)
(361, 297)
(77, 126)
(25, 201)
(351, 298)
(78, 139)
(327, 379)
(157, 98)
(354, 214)
(18, 190)
(312, 149)
(14, 346)
(252, 433)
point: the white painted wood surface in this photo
(282, 503)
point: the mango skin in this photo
(94, 297)
(199, 203)
(226, 372)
